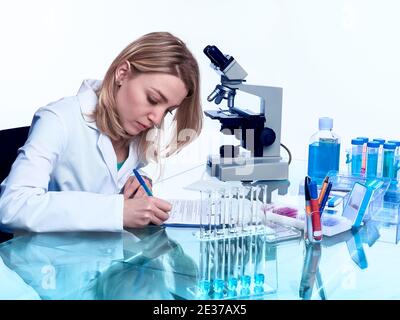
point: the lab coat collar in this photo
(88, 100)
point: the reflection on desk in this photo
(99, 265)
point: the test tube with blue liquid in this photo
(204, 266)
(372, 159)
(246, 266)
(396, 158)
(356, 156)
(219, 267)
(259, 265)
(380, 155)
(235, 268)
(388, 170)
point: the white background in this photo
(333, 58)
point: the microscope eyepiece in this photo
(217, 57)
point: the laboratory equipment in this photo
(259, 133)
(396, 158)
(388, 169)
(364, 154)
(357, 146)
(380, 155)
(236, 268)
(323, 150)
(372, 159)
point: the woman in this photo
(73, 173)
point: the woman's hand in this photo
(133, 189)
(140, 211)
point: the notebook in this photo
(186, 212)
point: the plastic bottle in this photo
(396, 158)
(323, 150)
(380, 155)
(372, 158)
(357, 146)
(388, 160)
(364, 154)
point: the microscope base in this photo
(247, 169)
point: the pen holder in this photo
(310, 234)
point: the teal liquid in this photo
(204, 287)
(388, 165)
(372, 165)
(323, 156)
(356, 163)
(245, 282)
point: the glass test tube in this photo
(204, 266)
(251, 215)
(356, 156)
(234, 274)
(205, 214)
(245, 278)
(219, 264)
(380, 156)
(364, 155)
(388, 160)
(372, 159)
(234, 211)
(220, 212)
(241, 209)
(259, 265)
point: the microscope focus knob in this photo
(229, 151)
(267, 137)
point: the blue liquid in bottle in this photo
(323, 150)
(323, 156)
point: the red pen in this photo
(315, 214)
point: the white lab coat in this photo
(66, 152)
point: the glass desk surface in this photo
(172, 263)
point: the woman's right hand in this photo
(139, 212)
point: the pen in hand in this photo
(142, 183)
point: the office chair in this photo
(10, 141)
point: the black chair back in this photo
(10, 141)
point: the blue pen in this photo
(142, 183)
(325, 199)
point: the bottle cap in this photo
(365, 139)
(373, 144)
(389, 146)
(357, 142)
(325, 123)
(396, 142)
(381, 141)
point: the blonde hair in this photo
(157, 52)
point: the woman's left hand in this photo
(133, 189)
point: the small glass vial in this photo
(356, 156)
(364, 155)
(380, 155)
(388, 160)
(372, 158)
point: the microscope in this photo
(259, 133)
